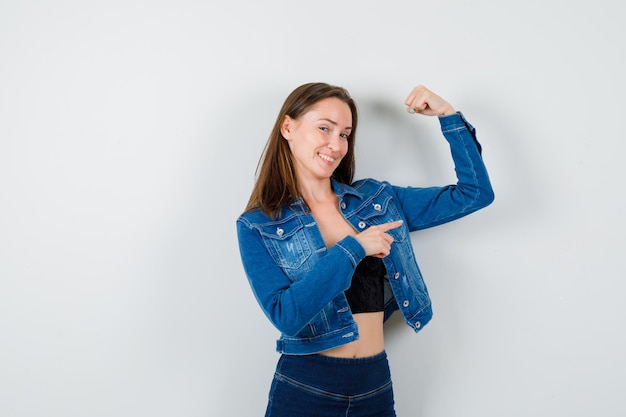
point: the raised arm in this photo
(427, 207)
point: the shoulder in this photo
(370, 187)
(253, 217)
(256, 218)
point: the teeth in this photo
(326, 158)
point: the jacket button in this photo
(396, 275)
(418, 324)
(405, 303)
(343, 205)
(377, 207)
(362, 225)
(279, 231)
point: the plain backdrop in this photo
(129, 137)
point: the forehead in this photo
(332, 108)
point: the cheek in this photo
(344, 148)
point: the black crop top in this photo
(366, 292)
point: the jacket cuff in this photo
(352, 248)
(457, 121)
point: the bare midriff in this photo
(371, 339)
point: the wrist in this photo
(447, 111)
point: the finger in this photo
(416, 92)
(410, 98)
(416, 108)
(382, 253)
(391, 225)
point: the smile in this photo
(326, 158)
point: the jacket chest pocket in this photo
(381, 209)
(287, 243)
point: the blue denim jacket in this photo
(299, 282)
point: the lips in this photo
(326, 158)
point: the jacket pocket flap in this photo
(281, 230)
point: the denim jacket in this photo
(300, 283)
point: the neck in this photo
(317, 192)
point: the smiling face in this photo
(318, 139)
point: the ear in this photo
(286, 126)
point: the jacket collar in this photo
(342, 189)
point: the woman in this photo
(329, 259)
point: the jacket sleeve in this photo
(291, 305)
(432, 206)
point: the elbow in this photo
(484, 194)
(288, 323)
(289, 328)
(480, 198)
(485, 198)
(488, 196)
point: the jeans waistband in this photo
(346, 376)
(382, 356)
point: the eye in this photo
(345, 136)
(324, 129)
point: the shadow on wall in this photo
(393, 145)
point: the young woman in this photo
(329, 259)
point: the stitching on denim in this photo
(352, 258)
(328, 394)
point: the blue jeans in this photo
(322, 386)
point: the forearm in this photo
(427, 207)
(290, 304)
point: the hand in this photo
(423, 101)
(376, 241)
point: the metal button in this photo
(396, 275)
(279, 231)
(405, 303)
(418, 324)
(362, 225)
(343, 205)
(377, 207)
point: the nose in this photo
(333, 142)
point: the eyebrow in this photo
(334, 123)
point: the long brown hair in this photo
(276, 182)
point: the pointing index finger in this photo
(391, 225)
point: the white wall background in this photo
(129, 136)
